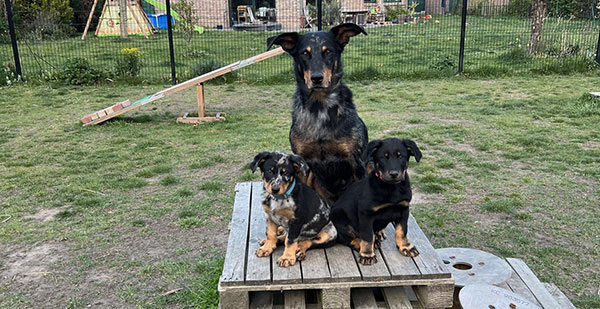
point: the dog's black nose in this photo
(394, 174)
(316, 79)
(275, 189)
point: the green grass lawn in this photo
(122, 213)
(494, 46)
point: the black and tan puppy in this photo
(291, 204)
(326, 130)
(369, 205)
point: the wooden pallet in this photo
(333, 272)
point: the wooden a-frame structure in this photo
(110, 19)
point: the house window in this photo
(370, 1)
(392, 1)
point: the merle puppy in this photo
(291, 204)
(326, 130)
(369, 205)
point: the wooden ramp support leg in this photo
(203, 116)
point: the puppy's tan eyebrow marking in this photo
(308, 49)
(324, 48)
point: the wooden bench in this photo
(327, 278)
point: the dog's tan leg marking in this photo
(303, 246)
(367, 252)
(289, 254)
(355, 244)
(269, 244)
(404, 246)
(379, 238)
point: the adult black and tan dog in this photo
(326, 129)
(369, 205)
(291, 204)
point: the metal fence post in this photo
(463, 25)
(13, 38)
(171, 50)
(598, 49)
(320, 15)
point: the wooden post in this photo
(200, 95)
(123, 13)
(89, 21)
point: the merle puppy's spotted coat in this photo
(293, 210)
(326, 129)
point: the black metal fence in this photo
(404, 39)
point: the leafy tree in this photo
(185, 26)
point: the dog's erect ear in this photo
(259, 160)
(343, 32)
(299, 164)
(372, 149)
(413, 149)
(286, 40)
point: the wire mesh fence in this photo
(404, 38)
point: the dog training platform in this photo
(330, 274)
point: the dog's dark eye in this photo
(399, 154)
(272, 170)
(305, 53)
(283, 171)
(327, 52)
(386, 155)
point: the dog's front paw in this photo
(409, 250)
(262, 242)
(300, 256)
(367, 260)
(264, 250)
(286, 261)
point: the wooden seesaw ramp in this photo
(126, 106)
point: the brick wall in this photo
(289, 13)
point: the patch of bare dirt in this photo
(45, 215)
(31, 264)
(590, 145)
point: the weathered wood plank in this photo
(516, 285)
(561, 298)
(374, 272)
(261, 300)
(233, 268)
(436, 296)
(533, 283)
(396, 298)
(363, 299)
(233, 299)
(258, 269)
(294, 300)
(338, 298)
(399, 266)
(314, 267)
(428, 262)
(291, 274)
(341, 263)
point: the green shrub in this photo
(515, 55)
(519, 8)
(78, 71)
(564, 66)
(8, 75)
(211, 65)
(446, 63)
(129, 63)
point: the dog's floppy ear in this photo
(343, 32)
(286, 40)
(259, 160)
(299, 164)
(371, 149)
(413, 149)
